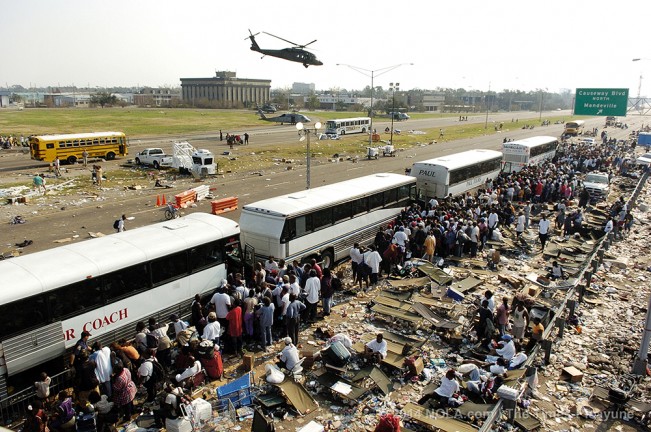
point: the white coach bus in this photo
(348, 125)
(105, 285)
(456, 173)
(324, 222)
(529, 151)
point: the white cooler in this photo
(178, 425)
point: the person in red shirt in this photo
(234, 318)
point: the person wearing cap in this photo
(508, 348)
(288, 357)
(212, 331)
(82, 345)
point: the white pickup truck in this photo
(155, 157)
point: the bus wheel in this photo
(72, 160)
(363, 130)
(327, 259)
(343, 132)
(110, 156)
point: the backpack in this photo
(152, 341)
(116, 224)
(158, 373)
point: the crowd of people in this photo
(280, 297)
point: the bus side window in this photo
(205, 256)
(342, 212)
(74, 298)
(62, 144)
(125, 282)
(289, 230)
(390, 196)
(303, 225)
(49, 146)
(322, 218)
(376, 201)
(169, 268)
(23, 314)
(360, 206)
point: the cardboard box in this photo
(573, 374)
(416, 367)
(248, 361)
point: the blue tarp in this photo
(238, 392)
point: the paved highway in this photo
(63, 218)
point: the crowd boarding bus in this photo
(104, 286)
(324, 222)
(348, 126)
(70, 147)
(574, 127)
(456, 173)
(529, 151)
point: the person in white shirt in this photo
(493, 220)
(212, 331)
(376, 350)
(190, 371)
(373, 259)
(355, 258)
(518, 360)
(288, 357)
(508, 348)
(312, 290)
(179, 325)
(499, 368)
(609, 226)
(449, 386)
(520, 224)
(222, 301)
(543, 230)
(103, 367)
(433, 203)
(294, 287)
(488, 296)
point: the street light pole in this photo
(393, 105)
(305, 133)
(489, 90)
(371, 73)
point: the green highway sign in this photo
(601, 102)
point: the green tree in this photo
(103, 99)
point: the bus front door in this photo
(249, 262)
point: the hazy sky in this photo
(549, 44)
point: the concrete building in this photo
(156, 97)
(303, 88)
(226, 90)
(4, 98)
(433, 101)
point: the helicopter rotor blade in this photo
(310, 43)
(278, 37)
(251, 35)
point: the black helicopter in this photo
(297, 53)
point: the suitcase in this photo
(336, 354)
(178, 425)
(202, 410)
(213, 366)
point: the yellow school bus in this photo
(70, 147)
(574, 127)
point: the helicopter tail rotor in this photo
(251, 35)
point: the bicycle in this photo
(172, 212)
